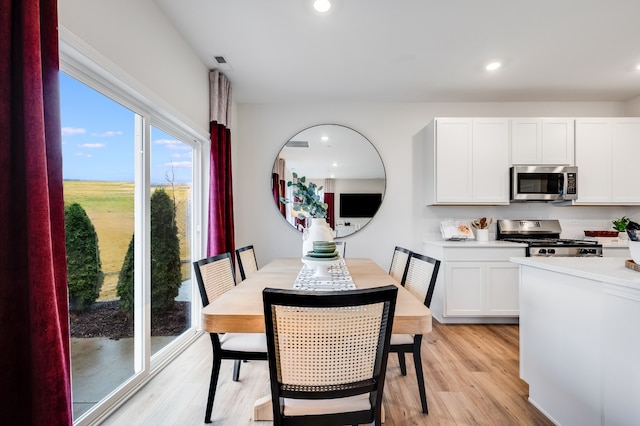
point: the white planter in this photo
(317, 231)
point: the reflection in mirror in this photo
(344, 163)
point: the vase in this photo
(317, 230)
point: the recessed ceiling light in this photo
(638, 67)
(325, 138)
(493, 66)
(322, 5)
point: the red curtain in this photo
(221, 231)
(329, 198)
(35, 386)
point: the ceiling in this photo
(417, 50)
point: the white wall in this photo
(136, 37)
(633, 107)
(403, 219)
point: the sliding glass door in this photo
(129, 217)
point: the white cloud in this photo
(107, 134)
(93, 145)
(82, 154)
(180, 164)
(70, 131)
(172, 144)
(179, 155)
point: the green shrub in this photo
(84, 269)
(166, 277)
(124, 289)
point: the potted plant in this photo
(620, 224)
(307, 202)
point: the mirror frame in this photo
(279, 188)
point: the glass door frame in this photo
(81, 62)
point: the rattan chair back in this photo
(215, 276)
(399, 263)
(247, 262)
(326, 347)
(421, 275)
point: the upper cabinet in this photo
(607, 152)
(537, 141)
(467, 161)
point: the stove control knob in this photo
(542, 251)
(552, 251)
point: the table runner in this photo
(340, 279)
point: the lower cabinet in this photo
(477, 283)
(481, 289)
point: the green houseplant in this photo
(621, 224)
(306, 200)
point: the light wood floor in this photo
(471, 373)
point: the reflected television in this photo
(360, 204)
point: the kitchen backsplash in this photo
(594, 218)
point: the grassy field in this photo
(110, 206)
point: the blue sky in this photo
(98, 140)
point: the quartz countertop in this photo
(474, 243)
(610, 270)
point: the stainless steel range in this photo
(543, 239)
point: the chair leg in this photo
(402, 362)
(236, 370)
(215, 372)
(417, 360)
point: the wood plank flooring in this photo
(471, 374)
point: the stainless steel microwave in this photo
(544, 183)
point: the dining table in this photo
(240, 310)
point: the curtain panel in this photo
(220, 236)
(35, 383)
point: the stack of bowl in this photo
(323, 250)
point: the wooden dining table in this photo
(240, 310)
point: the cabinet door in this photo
(526, 146)
(453, 160)
(625, 157)
(542, 141)
(593, 159)
(557, 141)
(490, 163)
(502, 289)
(464, 289)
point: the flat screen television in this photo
(359, 205)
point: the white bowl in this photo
(634, 249)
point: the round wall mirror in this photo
(341, 161)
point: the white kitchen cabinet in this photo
(477, 283)
(607, 152)
(542, 141)
(481, 289)
(467, 161)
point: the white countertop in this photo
(474, 243)
(604, 269)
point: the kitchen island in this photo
(580, 338)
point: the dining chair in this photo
(247, 262)
(215, 276)
(419, 279)
(341, 247)
(399, 263)
(328, 354)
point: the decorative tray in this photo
(318, 255)
(601, 233)
(321, 256)
(629, 263)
